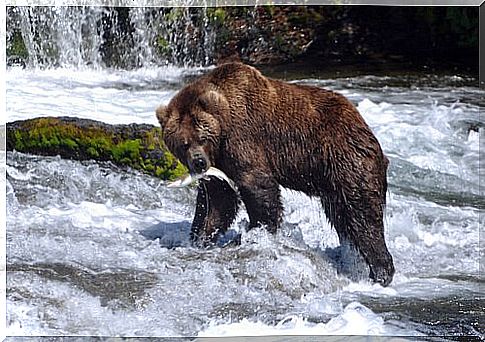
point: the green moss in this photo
(179, 171)
(52, 136)
(163, 46)
(16, 45)
(159, 171)
(148, 167)
(19, 145)
(151, 139)
(126, 161)
(217, 15)
(128, 149)
(69, 143)
(174, 15)
(100, 144)
(92, 152)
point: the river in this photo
(95, 250)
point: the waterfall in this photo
(187, 36)
(62, 36)
(97, 37)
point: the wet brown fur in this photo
(264, 133)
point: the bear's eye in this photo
(204, 103)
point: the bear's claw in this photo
(382, 275)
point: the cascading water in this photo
(188, 36)
(179, 36)
(145, 25)
(62, 36)
(115, 37)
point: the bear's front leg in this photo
(261, 196)
(215, 210)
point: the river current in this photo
(95, 250)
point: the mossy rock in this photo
(16, 50)
(138, 146)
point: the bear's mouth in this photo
(198, 163)
(198, 166)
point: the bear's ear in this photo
(213, 99)
(162, 115)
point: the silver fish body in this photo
(211, 172)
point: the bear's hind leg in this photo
(360, 220)
(216, 208)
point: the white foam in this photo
(424, 133)
(102, 95)
(355, 319)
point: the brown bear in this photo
(264, 133)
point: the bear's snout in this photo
(198, 163)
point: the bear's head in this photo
(191, 126)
